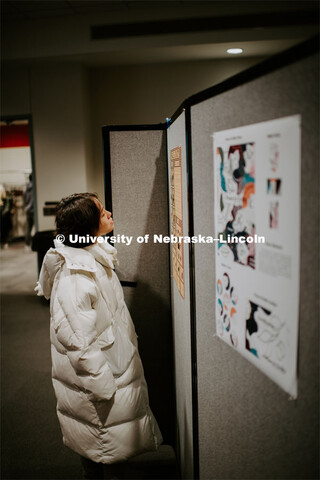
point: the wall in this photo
(147, 94)
(54, 95)
(15, 166)
(59, 133)
(69, 104)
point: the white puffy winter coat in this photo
(97, 374)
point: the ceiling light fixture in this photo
(234, 51)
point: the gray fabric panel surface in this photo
(181, 318)
(140, 206)
(248, 428)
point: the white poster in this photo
(257, 224)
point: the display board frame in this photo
(135, 286)
(106, 130)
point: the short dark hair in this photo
(78, 214)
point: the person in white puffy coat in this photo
(97, 374)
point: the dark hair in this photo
(78, 214)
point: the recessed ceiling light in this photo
(234, 51)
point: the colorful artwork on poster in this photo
(236, 200)
(227, 299)
(257, 191)
(177, 217)
(274, 186)
(264, 333)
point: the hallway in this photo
(31, 439)
(32, 445)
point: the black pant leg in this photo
(92, 470)
(29, 228)
(116, 471)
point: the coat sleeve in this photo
(77, 332)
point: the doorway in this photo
(17, 181)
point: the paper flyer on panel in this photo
(257, 223)
(177, 216)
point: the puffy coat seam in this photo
(115, 424)
(71, 387)
(64, 348)
(77, 419)
(47, 270)
(66, 316)
(95, 338)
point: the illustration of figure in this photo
(240, 221)
(251, 330)
(274, 215)
(226, 313)
(249, 165)
(237, 164)
(226, 281)
(237, 170)
(273, 186)
(242, 253)
(274, 156)
(228, 189)
(263, 330)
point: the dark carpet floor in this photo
(31, 445)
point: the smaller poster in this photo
(177, 217)
(257, 224)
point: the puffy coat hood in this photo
(76, 259)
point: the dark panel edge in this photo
(107, 170)
(193, 325)
(132, 128)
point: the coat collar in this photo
(85, 258)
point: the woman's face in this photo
(106, 222)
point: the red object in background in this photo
(14, 136)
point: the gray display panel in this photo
(248, 428)
(138, 167)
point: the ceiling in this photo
(18, 9)
(30, 9)
(150, 31)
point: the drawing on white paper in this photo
(273, 186)
(236, 188)
(256, 192)
(274, 215)
(227, 300)
(274, 156)
(263, 333)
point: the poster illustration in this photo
(257, 224)
(236, 212)
(177, 217)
